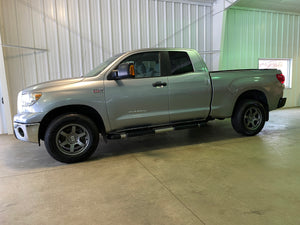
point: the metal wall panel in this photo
(252, 34)
(13, 56)
(75, 38)
(67, 38)
(39, 38)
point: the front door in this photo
(190, 91)
(139, 101)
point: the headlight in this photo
(27, 99)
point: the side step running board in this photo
(162, 130)
(157, 130)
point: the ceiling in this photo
(292, 6)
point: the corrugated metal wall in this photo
(252, 34)
(73, 36)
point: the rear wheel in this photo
(249, 117)
(71, 138)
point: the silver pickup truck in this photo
(145, 91)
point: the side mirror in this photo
(125, 70)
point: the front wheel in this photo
(249, 117)
(71, 138)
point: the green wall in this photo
(250, 34)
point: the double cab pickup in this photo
(140, 92)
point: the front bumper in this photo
(281, 102)
(27, 132)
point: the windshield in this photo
(102, 66)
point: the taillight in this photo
(280, 78)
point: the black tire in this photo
(71, 138)
(249, 117)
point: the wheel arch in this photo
(79, 109)
(253, 95)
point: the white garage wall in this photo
(67, 38)
(5, 113)
(252, 34)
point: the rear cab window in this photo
(180, 63)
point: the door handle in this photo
(2, 100)
(159, 84)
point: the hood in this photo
(54, 83)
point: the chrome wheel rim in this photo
(72, 139)
(252, 118)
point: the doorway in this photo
(3, 126)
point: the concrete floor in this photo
(209, 175)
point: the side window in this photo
(145, 64)
(180, 63)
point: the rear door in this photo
(189, 88)
(139, 101)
